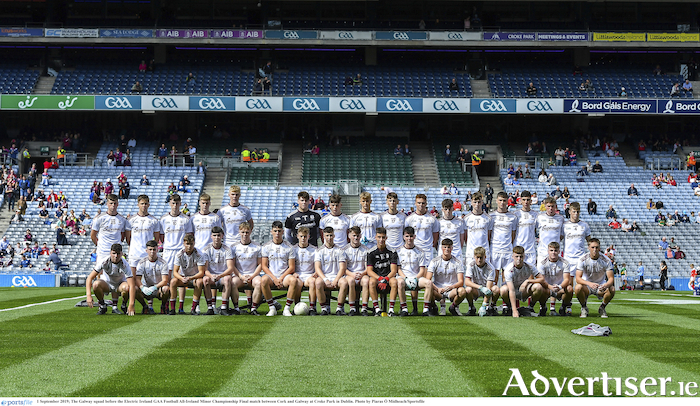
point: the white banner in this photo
(455, 36)
(353, 104)
(540, 106)
(72, 32)
(165, 103)
(446, 105)
(264, 104)
(362, 35)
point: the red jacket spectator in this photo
(614, 224)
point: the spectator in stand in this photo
(25, 263)
(542, 178)
(531, 90)
(182, 188)
(142, 67)
(315, 150)
(614, 224)
(687, 86)
(145, 181)
(671, 181)
(453, 85)
(657, 71)
(508, 180)
(623, 92)
(635, 227)
(692, 176)
(527, 174)
(551, 180)
(190, 78)
(357, 80)
(597, 167)
(137, 88)
(566, 194)
(462, 156)
(660, 219)
(398, 151)
(45, 178)
(611, 213)
(61, 238)
(626, 226)
(448, 153)
(559, 156)
(651, 205)
(675, 90)
(663, 244)
(453, 189)
(55, 259)
(632, 191)
(669, 254)
(162, 154)
(109, 187)
(44, 214)
(557, 194)
(519, 172)
(406, 150)
(457, 205)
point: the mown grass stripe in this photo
(13, 297)
(589, 356)
(344, 356)
(87, 361)
(195, 363)
(62, 299)
(666, 315)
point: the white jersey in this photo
(554, 271)
(550, 229)
(278, 256)
(452, 229)
(424, 225)
(525, 236)
(330, 259)
(189, 263)
(480, 275)
(152, 271)
(114, 273)
(594, 269)
(518, 276)
(174, 229)
(109, 231)
(410, 261)
(202, 225)
(217, 258)
(575, 243)
(368, 223)
(477, 228)
(445, 272)
(340, 225)
(504, 224)
(246, 257)
(306, 258)
(142, 230)
(356, 258)
(231, 218)
(394, 224)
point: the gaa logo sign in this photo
(349, 104)
(258, 104)
(401, 35)
(23, 281)
(454, 35)
(305, 104)
(118, 103)
(446, 105)
(492, 105)
(345, 35)
(213, 103)
(398, 105)
(164, 103)
(539, 106)
(291, 35)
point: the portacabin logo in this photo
(492, 105)
(305, 104)
(345, 35)
(398, 105)
(257, 104)
(350, 104)
(164, 103)
(23, 281)
(401, 35)
(574, 107)
(669, 107)
(118, 103)
(291, 35)
(446, 105)
(211, 103)
(539, 105)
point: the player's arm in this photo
(164, 279)
(126, 235)
(342, 267)
(511, 294)
(490, 236)
(156, 235)
(611, 279)
(291, 268)
(460, 282)
(132, 295)
(201, 270)
(394, 270)
(258, 269)
(436, 239)
(137, 280)
(319, 271)
(176, 274)
(539, 279)
(370, 271)
(252, 224)
(579, 279)
(88, 286)
(468, 282)
(512, 236)
(93, 236)
(421, 272)
(267, 271)
(400, 272)
(462, 239)
(567, 280)
(230, 269)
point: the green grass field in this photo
(56, 349)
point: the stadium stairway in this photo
(214, 184)
(44, 85)
(292, 159)
(424, 168)
(629, 153)
(351, 204)
(480, 88)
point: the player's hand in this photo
(594, 286)
(516, 313)
(602, 289)
(186, 280)
(486, 291)
(441, 291)
(216, 278)
(130, 311)
(89, 302)
(554, 288)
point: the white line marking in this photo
(42, 303)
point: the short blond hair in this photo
(303, 231)
(235, 189)
(366, 196)
(244, 226)
(205, 197)
(518, 250)
(479, 252)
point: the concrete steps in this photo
(44, 85)
(424, 168)
(292, 159)
(480, 88)
(214, 186)
(351, 204)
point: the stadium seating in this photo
(16, 78)
(252, 175)
(268, 203)
(558, 81)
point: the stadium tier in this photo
(559, 81)
(17, 79)
(252, 175)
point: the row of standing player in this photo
(477, 228)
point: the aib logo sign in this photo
(258, 104)
(23, 281)
(398, 105)
(164, 103)
(305, 104)
(446, 105)
(350, 104)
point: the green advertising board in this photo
(41, 102)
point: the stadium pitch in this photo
(50, 348)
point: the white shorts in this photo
(134, 261)
(572, 265)
(169, 257)
(305, 277)
(101, 258)
(113, 287)
(531, 259)
(500, 260)
(429, 255)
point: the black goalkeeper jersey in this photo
(309, 219)
(381, 261)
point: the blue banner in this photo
(117, 102)
(288, 34)
(609, 106)
(401, 35)
(126, 33)
(562, 36)
(678, 107)
(510, 36)
(306, 104)
(399, 105)
(493, 105)
(29, 281)
(213, 103)
(21, 32)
